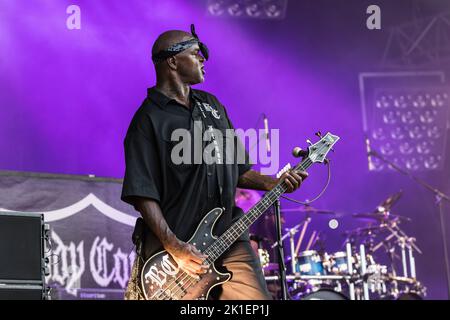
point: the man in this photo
(172, 198)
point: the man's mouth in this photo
(203, 70)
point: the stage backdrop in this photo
(91, 253)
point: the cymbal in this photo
(387, 204)
(309, 209)
(381, 217)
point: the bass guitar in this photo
(161, 279)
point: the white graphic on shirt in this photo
(213, 111)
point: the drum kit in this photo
(376, 262)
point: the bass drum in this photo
(324, 294)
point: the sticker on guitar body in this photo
(159, 277)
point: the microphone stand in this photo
(439, 195)
(281, 263)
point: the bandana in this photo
(181, 46)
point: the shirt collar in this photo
(162, 100)
(158, 97)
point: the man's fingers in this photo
(194, 266)
(198, 254)
(197, 268)
(205, 268)
(192, 274)
(303, 174)
(293, 180)
(289, 185)
(297, 177)
(196, 258)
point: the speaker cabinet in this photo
(21, 255)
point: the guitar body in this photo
(161, 279)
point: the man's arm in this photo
(254, 180)
(185, 255)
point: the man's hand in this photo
(188, 258)
(292, 179)
(255, 180)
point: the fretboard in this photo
(240, 226)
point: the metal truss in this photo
(421, 43)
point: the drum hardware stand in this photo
(351, 284)
(402, 245)
(405, 243)
(399, 233)
(281, 263)
(410, 246)
(305, 223)
(391, 251)
(439, 196)
(383, 242)
(362, 253)
(291, 233)
(311, 240)
(412, 262)
(309, 277)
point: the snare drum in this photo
(309, 263)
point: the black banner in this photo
(91, 253)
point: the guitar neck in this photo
(241, 225)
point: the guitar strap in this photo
(208, 125)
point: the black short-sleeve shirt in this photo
(185, 192)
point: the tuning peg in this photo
(319, 134)
(309, 142)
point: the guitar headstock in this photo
(318, 151)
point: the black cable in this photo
(306, 203)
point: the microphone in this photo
(369, 153)
(266, 130)
(299, 152)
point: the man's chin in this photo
(197, 81)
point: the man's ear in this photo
(172, 63)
